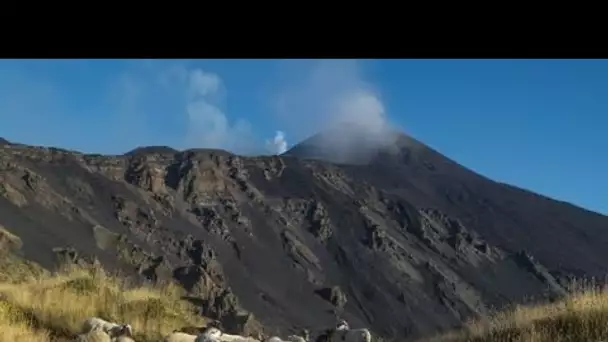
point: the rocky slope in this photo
(406, 242)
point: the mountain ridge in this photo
(403, 140)
(410, 244)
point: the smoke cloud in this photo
(332, 97)
(311, 96)
(278, 145)
(208, 125)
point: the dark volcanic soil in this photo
(409, 244)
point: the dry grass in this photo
(48, 307)
(581, 317)
(40, 307)
(14, 326)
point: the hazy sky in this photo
(537, 124)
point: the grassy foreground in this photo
(581, 317)
(38, 306)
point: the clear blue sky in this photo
(537, 124)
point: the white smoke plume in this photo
(208, 125)
(278, 145)
(332, 96)
(314, 96)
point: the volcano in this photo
(378, 229)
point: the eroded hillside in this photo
(408, 245)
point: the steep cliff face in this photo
(408, 243)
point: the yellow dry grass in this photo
(49, 307)
(580, 317)
(38, 306)
(14, 326)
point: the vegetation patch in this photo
(48, 307)
(581, 316)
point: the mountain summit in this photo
(350, 143)
(394, 236)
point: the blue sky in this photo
(537, 124)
